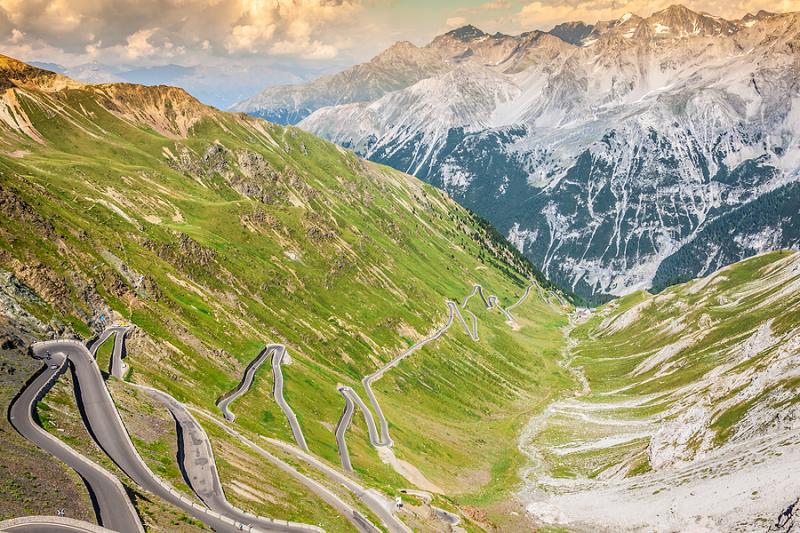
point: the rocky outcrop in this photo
(13, 206)
(789, 519)
(184, 253)
(170, 111)
(245, 171)
(18, 75)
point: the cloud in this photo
(16, 36)
(144, 30)
(496, 5)
(139, 44)
(454, 22)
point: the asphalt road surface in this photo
(472, 332)
(50, 524)
(494, 302)
(112, 505)
(523, 297)
(115, 365)
(341, 428)
(348, 512)
(352, 399)
(278, 352)
(243, 386)
(368, 380)
(476, 289)
(200, 469)
(375, 501)
(106, 426)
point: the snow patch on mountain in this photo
(616, 155)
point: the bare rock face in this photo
(789, 520)
(49, 285)
(255, 166)
(216, 162)
(626, 155)
(13, 206)
(17, 325)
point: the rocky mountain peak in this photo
(170, 111)
(400, 49)
(16, 74)
(761, 15)
(466, 33)
(573, 32)
(680, 21)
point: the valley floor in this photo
(687, 416)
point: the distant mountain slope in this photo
(688, 412)
(600, 150)
(218, 85)
(396, 68)
(214, 233)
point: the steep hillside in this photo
(213, 234)
(611, 153)
(688, 415)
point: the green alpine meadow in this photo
(286, 317)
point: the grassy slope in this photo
(724, 351)
(29, 484)
(344, 261)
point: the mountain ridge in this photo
(205, 239)
(213, 234)
(707, 93)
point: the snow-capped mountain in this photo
(618, 156)
(397, 67)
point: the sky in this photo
(246, 44)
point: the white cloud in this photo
(139, 44)
(454, 22)
(16, 36)
(305, 49)
(497, 4)
(113, 30)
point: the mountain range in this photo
(212, 234)
(217, 85)
(622, 155)
(424, 375)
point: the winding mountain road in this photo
(115, 365)
(112, 505)
(200, 468)
(202, 473)
(472, 332)
(243, 386)
(375, 501)
(494, 303)
(523, 297)
(341, 429)
(199, 465)
(108, 430)
(476, 289)
(352, 398)
(385, 439)
(50, 524)
(278, 352)
(351, 514)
